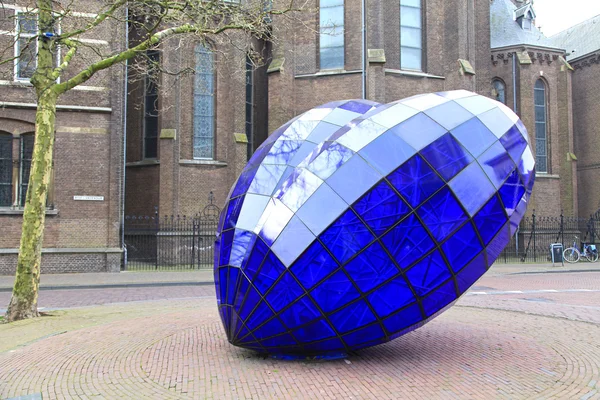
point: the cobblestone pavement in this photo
(514, 337)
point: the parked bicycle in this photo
(572, 254)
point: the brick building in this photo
(84, 206)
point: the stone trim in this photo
(328, 73)
(143, 163)
(210, 163)
(78, 129)
(33, 106)
(546, 176)
(414, 74)
(19, 211)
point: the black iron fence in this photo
(171, 243)
(531, 242)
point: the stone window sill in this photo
(416, 74)
(19, 211)
(329, 72)
(541, 175)
(143, 163)
(209, 163)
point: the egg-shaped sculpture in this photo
(356, 222)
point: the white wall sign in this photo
(89, 198)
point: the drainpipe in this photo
(514, 82)
(364, 49)
(124, 140)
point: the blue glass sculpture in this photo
(356, 222)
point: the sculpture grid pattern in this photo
(356, 222)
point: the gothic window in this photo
(499, 90)
(411, 41)
(26, 156)
(151, 105)
(204, 103)
(541, 127)
(6, 170)
(331, 38)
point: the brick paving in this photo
(516, 346)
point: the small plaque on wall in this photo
(89, 198)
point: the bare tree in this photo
(49, 38)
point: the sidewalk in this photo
(205, 277)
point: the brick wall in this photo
(67, 263)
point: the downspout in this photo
(364, 50)
(514, 82)
(124, 140)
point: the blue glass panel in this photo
(278, 341)
(314, 265)
(315, 216)
(244, 181)
(273, 221)
(346, 236)
(295, 232)
(241, 332)
(474, 136)
(240, 247)
(446, 156)
(334, 292)
(415, 180)
(300, 129)
(381, 208)
(284, 292)
(428, 273)
(252, 209)
(471, 273)
(403, 319)
(455, 94)
(271, 270)
(424, 102)
(511, 192)
(472, 188)
(387, 152)
(232, 284)
(392, 114)
(439, 299)
(340, 117)
(496, 121)
(302, 153)
(357, 171)
(241, 292)
(526, 169)
(360, 135)
(497, 164)
(371, 267)
(330, 159)
(419, 131)
(461, 247)
(222, 292)
(477, 104)
(490, 219)
(328, 345)
(408, 241)
(518, 215)
(298, 188)
(318, 330)
(217, 278)
(514, 143)
(282, 151)
(449, 115)
(266, 179)
(323, 131)
(367, 334)
(498, 243)
(361, 107)
(261, 313)
(252, 299)
(391, 297)
(271, 328)
(353, 316)
(259, 251)
(233, 211)
(226, 243)
(301, 312)
(442, 214)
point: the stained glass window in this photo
(204, 103)
(541, 129)
(6, 170)
(499, 90)
(411, 47)
(331, 38)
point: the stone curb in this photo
(114, 286)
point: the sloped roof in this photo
(505, 31)
(581, 39)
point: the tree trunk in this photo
(23, 303)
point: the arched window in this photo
(26, 156)
(331, 37)
(204, 103)
(499, 90)
(6, 169)
(541, 130)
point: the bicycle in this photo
(572, 254)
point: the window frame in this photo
(501, 82)
(544, 89)
(334, 27)
(421, 36)
(196, 96)
(9, 161)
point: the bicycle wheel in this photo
(571, 255)
(592, 256)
